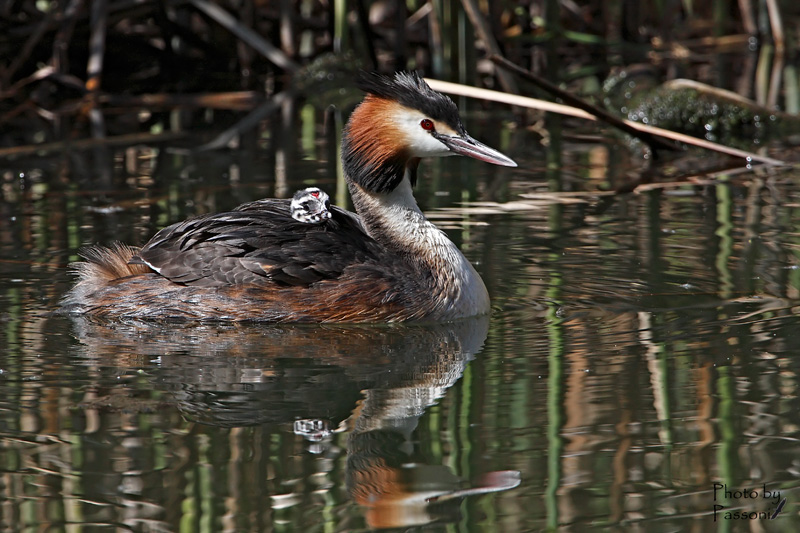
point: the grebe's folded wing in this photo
(259, 243)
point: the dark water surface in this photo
(643, 351)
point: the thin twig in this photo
(60, 57)
(40, 74)
(27, 48)
(775, 80)
(776, 25)
(85, 144)
(485, 34)
(236, 101)
(706, 178)
(97, 45)
(748, 21)
(533, 103)
(227, 21)
(287, 28)
(247, 123)
(369, 35)
(652, 141)
(437, 48)
(506, 98)
(94, 69)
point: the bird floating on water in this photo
(384, 263)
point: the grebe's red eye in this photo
(426, 124)
(315, 194)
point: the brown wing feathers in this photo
(256, 244)
(253, 263)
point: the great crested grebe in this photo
(310, 205)
(387, 263)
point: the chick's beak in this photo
(466, 145)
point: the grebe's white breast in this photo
(458, 289)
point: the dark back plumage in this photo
(259, 243)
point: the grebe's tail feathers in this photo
(102, 266)
(110, 263)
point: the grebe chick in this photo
(386, 263)
(310, 206)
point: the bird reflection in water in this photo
(374, 382)
(386, 475)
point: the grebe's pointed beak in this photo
(469, 147)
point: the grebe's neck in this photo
(395, 220)
(381, 168)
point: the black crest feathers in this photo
(410, 90)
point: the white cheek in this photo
(419, 141)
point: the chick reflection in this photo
(375, 381)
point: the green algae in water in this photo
(695, 114)
(698, 110)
